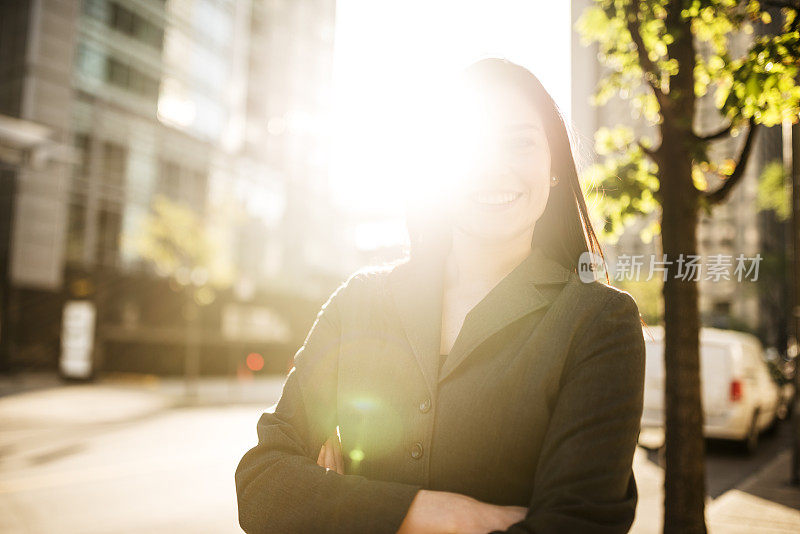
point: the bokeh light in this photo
(255, 361)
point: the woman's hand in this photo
(487, 517)
(437, 512)
(442, 512)
(330, 455)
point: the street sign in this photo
(77, 338)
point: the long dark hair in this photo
(564, 230)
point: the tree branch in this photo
(721, 193)
(648, 67)
(787, 4)
(648, 151)
(716, 135)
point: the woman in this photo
(480, 386)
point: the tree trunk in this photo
(684, 477)
(191, 366)
(795, 316)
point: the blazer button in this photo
(425, 406)
(416, 450)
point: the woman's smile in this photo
(495, 200)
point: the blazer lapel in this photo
(513, 297)
(416, 288)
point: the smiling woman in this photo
(481, 385)
(503, 163)
(507, 181)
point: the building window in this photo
(722, 308)
(196, 190)
(126, 21)
(91, 62)
(109, 225)
(183, 185)
(76, 228)
(76, 217)
(131, 79)
(117, 73)
(114, 162)
(82, 144)
(169, 180)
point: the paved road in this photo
(727, 465)
(170, 473)
(111, 458)
(100, 459)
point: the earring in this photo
(553, 181)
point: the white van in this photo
(740, 399)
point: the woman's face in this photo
(503, 181)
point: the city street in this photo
(201, 188)
(124, 456)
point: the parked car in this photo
(787, 393)
(740, 399)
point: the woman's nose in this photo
(488, 162)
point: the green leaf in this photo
(775, 191)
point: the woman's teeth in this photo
(495, 199)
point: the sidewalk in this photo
(763, 502)
(131, 393)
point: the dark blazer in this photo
(537, 405)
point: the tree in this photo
(177, 243)
(663, 56)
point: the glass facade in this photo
(183, 100)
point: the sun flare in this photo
(393, 62)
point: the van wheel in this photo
(750, 442)
(773, 425)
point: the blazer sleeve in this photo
(584, 477)
(279, 486)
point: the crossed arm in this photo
(433, 512)
(280, 488)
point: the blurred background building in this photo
(218, 106)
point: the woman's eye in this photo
(518, 143)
